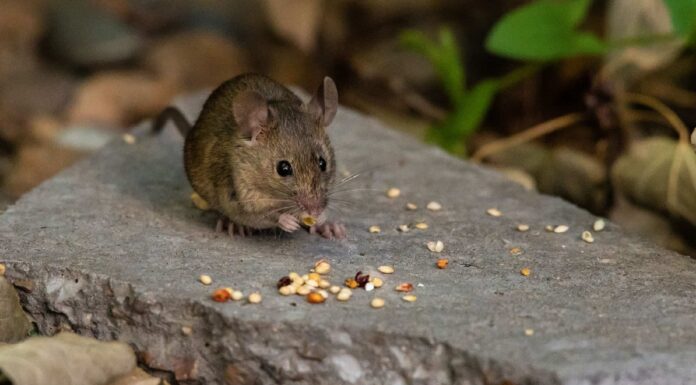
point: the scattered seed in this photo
(434, 206)
(305, 277)
(309, 220)
(304, 290)
(323, 293)
(334, 289)
(285, 281)
(377, 281)
(420, 285)
(494, 212)
(315, 297)
(312, 283)
(221, 295)
(377, 303)
(351, 283)
(2, 269)
(128, 138)
(199, 202)
(369, 286)
(374, 229)
(522, 227)
(525, 271)
(186, 330)
(411, 206)
(549, 228)
(294, 276)
(287, 290)
(421, 225)
(587, 237)
(237, 295)
(404, 287)
(442, 263)
(324, 284)
(560, 229)
(409, 298)
(205, 279)
(254, 297)
(598, 225)
(435, 247)
(528, 332)
(385, 269)
(393, 192)
(229, 290)
(516, 251)
(314, 277)
(322, 267)
(361, 278)
(404, 228)
(344, 294)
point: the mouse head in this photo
(287, 150)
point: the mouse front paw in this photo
(232, 228)
(288, 223)
(329, 230)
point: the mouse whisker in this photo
(333, 192)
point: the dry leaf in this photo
(659, 173)
(65, 359)
(14, 324)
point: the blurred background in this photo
(592, 101)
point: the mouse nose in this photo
(312, 205)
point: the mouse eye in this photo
(322, 164)
(284, 168)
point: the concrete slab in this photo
(112, 248)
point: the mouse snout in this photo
(312, 205)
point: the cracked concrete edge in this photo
(227, 351)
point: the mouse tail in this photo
(176, 116)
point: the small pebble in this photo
(287, 290)
(494, 212)
(129, 138)
(2, 269)
(237, 295)
(304, 290)
(334, 289)
(393, 192)
(385, 269)
(186, 330)
(315, 298)
(525, 271)
(436, 247)
(409, 298)
(560, 229)
(522, 227)
(377, 303)
(421, 225)
(205, 279)
(374, 229)
(403, 228)
(369, 286)
(377, 281)
(587, 237)
(528, 332)
(322, 267)
(411, 206)
(344, 294)
(442, 263)
(598, 225)
(254, 297)
(434, 206)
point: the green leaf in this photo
(544, 30)
(683, 13)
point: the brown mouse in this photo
(261, 157)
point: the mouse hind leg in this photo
(232, 229)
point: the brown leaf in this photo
(65, 359)
(14, 324)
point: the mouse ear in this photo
(324, 103)
(250, 111)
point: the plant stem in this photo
(663, 110)
(642, 40)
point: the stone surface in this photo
(113, 247)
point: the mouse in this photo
(261, 157)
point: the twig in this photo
(663, 110)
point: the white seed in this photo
(322, 267)
(312, 283)
(598, 225)
(304, 290)
(528, 332)
(420, 285)
(186, 330)
(369, 286)
(2, 269)
(344, 294)
(374, 229)
(334, 289)
(377, 303)
(436, 247)
(237, 295)
(323, 293)
(421, 225)
(549, 228)
(434, 206)
(404, 228)
(522, 227)
(254, 297)
(409, 298)
(205, 279)
(560, 229)
(287, 290)
(324, 284)
(587, 237)
(385, 269)
(129, 138)
(411, 206)
(393, 192)
(494, 212)
(305, 277)
(377, 281)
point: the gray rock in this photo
(112, 248)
